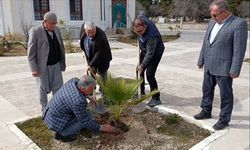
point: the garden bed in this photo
(147, 130)
(128, 40)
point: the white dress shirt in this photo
(216, 29)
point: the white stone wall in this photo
(7, 16)
(14, 13)
(130, 12)
(1, 19)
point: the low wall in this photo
(187, 26)
(201, 26)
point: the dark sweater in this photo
(54, 49)
(150, 42)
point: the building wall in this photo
(1, 19)
(25, 13)
(15, 13)
(7, 16)
(15, 16)
(130, 12)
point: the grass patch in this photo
(37, 131)
(128, 40)
(115, 48)
(43, 137)
(183, 131)
(247, 60)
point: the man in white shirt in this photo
(221, 56)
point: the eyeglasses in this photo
(216, 15)
(51, 23)
(140, 31)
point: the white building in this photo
(105, 13)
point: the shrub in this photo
(1, 50)
(69, 47)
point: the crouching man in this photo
(66, 113)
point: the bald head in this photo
(137, 22)
(139, 26)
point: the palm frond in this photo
(119, 93)
(141, 99)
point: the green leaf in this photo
(119, 93)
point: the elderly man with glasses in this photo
(46, 56)
(221, 55)
(151, 50)
(66, 113)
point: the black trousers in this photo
(226, 94)
(150, 74)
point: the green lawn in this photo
(247, 60)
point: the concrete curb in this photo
(25, 140)
(202, 145)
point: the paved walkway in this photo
(179, 81)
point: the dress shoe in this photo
(153, 102)
(142, 95)
(69, 138)
(202, 115)
(220, 125)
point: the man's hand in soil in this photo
(108, 128)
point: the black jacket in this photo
(100, 55)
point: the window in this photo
(75, 9)
(40, 8)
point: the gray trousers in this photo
(51, 80)
(226, 94)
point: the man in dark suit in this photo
(94, 43)
(66, 113)
(221, 56)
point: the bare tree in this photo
(26, 27)
(196, 9)
(244, 9)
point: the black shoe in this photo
(154, 102)
(69, 138)
(202, 115)
(143, 93)
(220, 125)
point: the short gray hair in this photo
(88, 25)
(222, 4)
(86, 81)
(50, 16)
